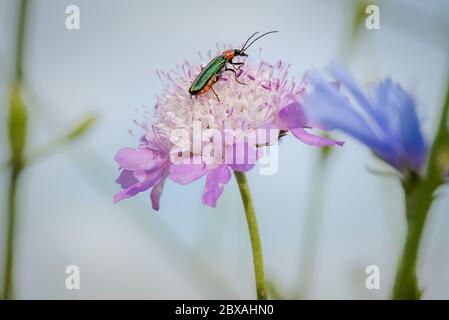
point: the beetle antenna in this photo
(249, 39)
(263, 35)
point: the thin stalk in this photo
(417, 206)
(16, 162)
(419, 195)
(311, 230)
(12, 201)
(21, 40)
(253, 234)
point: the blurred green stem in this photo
(253, 234)
(419, 195)
(76, 132)
(312, 227)
(418, 199)
(17, 138)
(21, 40)
(12, 195)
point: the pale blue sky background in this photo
(128, 251)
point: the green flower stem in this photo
(20, 44)
(12, 200)
(76, 132)
(253, 234)
(17, 121)
(418, 199)
(310, 236)
(419, 195)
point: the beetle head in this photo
(238, 52)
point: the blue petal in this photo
(348, 81)
(329, 108)
(390, 126)
(399, 110)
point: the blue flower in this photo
(386, 121)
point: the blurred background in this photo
(322, 219)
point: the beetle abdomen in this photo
(212, 69)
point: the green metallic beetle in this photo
(218, 65)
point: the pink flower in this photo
(269, 102)
(143, 168)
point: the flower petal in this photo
(244, 156)
(387, 123)
(348, 81)
(292, 116)
(331, 109)
(314, 140)
(131, 191)
(399, 110)
(187, 173)
(215, 181)
(131, 159)
(156, 193)
(126, 179)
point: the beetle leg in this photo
(219, 75)
(216, 95)
(235, 74)
(240, 64)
